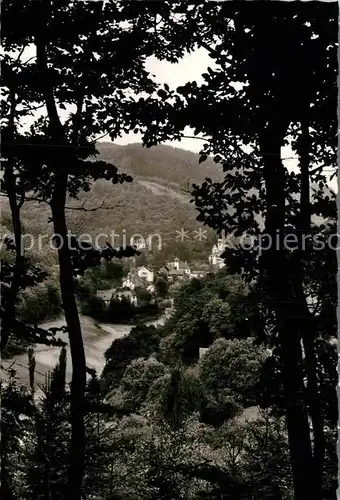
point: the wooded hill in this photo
(156, 202)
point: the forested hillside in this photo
(168, 164)
(156, 202)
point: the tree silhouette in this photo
(84, 68)
(269, 88)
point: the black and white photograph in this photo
(169, 250)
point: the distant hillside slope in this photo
(154, 203)
(171, 165)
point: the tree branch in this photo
(259, 154)
(34, 198)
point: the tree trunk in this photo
(78, 384)
(67, 288)
(275, 266)
(11, 298)
(306, 321)
(15, 206)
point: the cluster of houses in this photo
(140, 277)
(175, 271)
(215, 258)
(179, 271)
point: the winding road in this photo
(98, 337)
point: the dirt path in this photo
(97, 339)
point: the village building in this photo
(151, 288)
(129, 282)
(215, 258)
(132, 281)
(175, 275)
(145, 273)
(138, 243)
(130, 295)
(197, 274)
(139, 277)
(174, 265)
(178, 270)
(105, 295)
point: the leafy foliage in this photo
(141, 342)
(232, 368)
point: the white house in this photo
(129, 282)
(216, 261)
(186, 269)
(107, 295)
(175, 275)
(215, 256)
(177, 265)
(173, 265)
(139, 243)
(151, 288)
(197, 274)
(146, 274)
(178, 270)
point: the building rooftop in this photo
(105, 294)
(176, 272)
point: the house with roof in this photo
(151, 288)
(105, 295)
(197, 274)
(145, 274)
(173, 265)
(138, 243)
(178, 270)
(129, 282)
(177, 265)
(215, 258)
(139, 277)
(130, 295)
(175, 275)
(132, 280)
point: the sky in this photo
(190, 67)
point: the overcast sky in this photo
(187, 69)
(190, 68)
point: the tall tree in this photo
(87, 59)
(274, 82)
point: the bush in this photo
(39, 304)
(162, 287)
(232, 368)
(143, 295)
(137, 380)
(164, 304)
(140, 343)
(93, 306)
